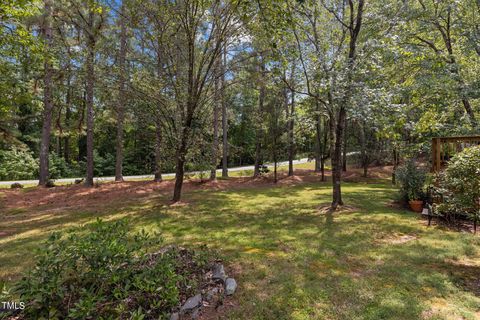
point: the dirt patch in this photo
(35, 201)
(465, 274)
(210, 312)
(327, 209)
(396, 205)
(356, 174)
(105, 194)
(399, 239)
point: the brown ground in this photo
(105, 194)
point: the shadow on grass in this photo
(295, 262)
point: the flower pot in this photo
(416, 205)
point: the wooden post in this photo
(433, 155)
(438, 154)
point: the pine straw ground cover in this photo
(291, 258)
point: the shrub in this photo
(16, 164)
(102, 271)
(412, 180)
(59, 168)
(50, 184)
(460, 183)
(104, 166)
(16, 185)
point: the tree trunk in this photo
(275, 176)
(318, 138)
(344, 156)
(274, 144)
(471, 114)
(224, 118)
(291, 143)
(363, 147)
(213, 172)
(158, 150)
(82, 139)
(258, 154)
(324, 151)
(395, 165)
(68, 116)
(336, 157)
(259, 133)
(121, 97)
(58, 147)
(179, 172)
(47, 99)
(180, 169)
(354, 30)
(322, 168)
(89, 101)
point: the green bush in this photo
(102, 271)
(460, 183)
(104, 165)
(59, 168)
(16, 164)
(412, 181)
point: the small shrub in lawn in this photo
(263, 169)
(50, 184)
(16, 185)
(104, 271)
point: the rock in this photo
(219, 272)
(192, 303)
(230, 286)
(16, 185)
(211, 294)
(174, 316)
(195, 313)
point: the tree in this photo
(223, 57)
(47, 95)
(340, 39)
(437, 25)
(121, 94)
(216, 111)
(201, 55)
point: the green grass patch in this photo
(293, 260)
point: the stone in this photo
(192, 303)
(230, 286)
(211, 294)
(195, 313)
(219, 272)
(174, 316)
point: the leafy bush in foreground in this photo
(103, 272)
(460, 184)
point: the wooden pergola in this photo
(443, 149)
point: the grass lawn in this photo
(293, 260)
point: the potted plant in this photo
(412, 180)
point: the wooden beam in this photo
(438, 154)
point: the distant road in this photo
(147, 176)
